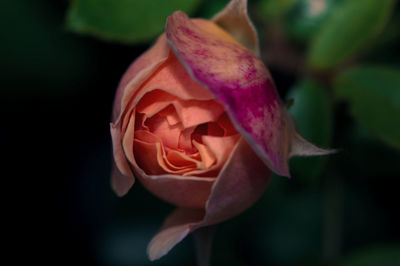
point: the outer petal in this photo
(122, 177)
(240, 81)
(187, 192)
(137, 73)
(299, 146)
(176, 227)
(235, 20)
(241, 182)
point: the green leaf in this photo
(374, 96)
(347, 30)
(209, 8)
(305, 18)
(50, 62)
(275, 8)
(126, 21)
(384, 49)
(383, 255)
(312, 112)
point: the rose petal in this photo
(188, 192)
(171, 115)
(185, 140)
(207, 156)
(179, 159)
(299, 146)
(226, 124)
(235, 20)
(172, 78)
(122, 177)
(176, 227)
(240, 81)
(154, 101)
(241, 182)
(148, 157)
(221, 148)
(120, 182)
(152, 157)
(168, 134)
(195, 112)
(137, 73)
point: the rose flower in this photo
(198, 121)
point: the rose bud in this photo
(198, 121)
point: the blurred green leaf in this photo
(275, 8)
(305, 18)
(312, 111)
(127, 21)
(347, 30)
(374, 96)
(384, 255)
(209, 8)
(35, 47)
(384, 49)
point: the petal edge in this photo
(234, 19)
(240, 81)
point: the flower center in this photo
(186, 135)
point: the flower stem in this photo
(203, 238)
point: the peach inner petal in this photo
(170, 114)
(185, 137)
(207, 156)
(168, 134)
(145, 157)
(151, 155)
(194, 112)
(185, 140)
(225, 123)
(179, 159)
(153, 102)
(173, 78)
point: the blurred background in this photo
(61, 62)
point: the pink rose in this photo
(198, 121)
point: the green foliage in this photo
(312, 111)
(374, 96)
(347, 30)
(275, 8)
(304, 20)
(37, 58)
(383, 255)
(127, 21)
(209, 8)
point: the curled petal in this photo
(239, 80)
(122, 177)
(235, 20)
(176, 227)
(191, 191)
(239, 185)
(299, 146)
(137, 73)
(187, 192)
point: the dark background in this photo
(56, 97)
